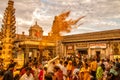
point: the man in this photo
(28, 75)
(51, 64)
(9, 73)
(58, 74)
(93, 67)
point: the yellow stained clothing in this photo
(93, 65)
(15, 73)
(84, 74)
(69, 66)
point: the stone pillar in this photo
(35, 53)
(89, 53)
(26, 54)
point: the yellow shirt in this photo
(84, 74)
(93, 66)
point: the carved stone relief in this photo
(115, 47)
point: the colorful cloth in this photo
(99, 73)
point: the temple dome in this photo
(35, 31)
(36, 27)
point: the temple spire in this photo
(36, 23)
(8, 33)
(10, 0)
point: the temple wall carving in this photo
(116, 48)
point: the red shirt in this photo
(41, 74)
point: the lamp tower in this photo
(8, 32)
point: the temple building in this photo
(103, 44)
(22, 48)
(34, 45)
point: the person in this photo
(36, 70)
(99, 72)
(9, 73)
(69, 70)
(17, 77)
(48, 76)
(1, 75)
(65, 70)
(58, 74)
(93, 67)
(1, 72)
(85, 72)
(51, 64)
(76, 74)
(23, 69)
(28, 75)
(41, 73)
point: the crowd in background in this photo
(71, 68)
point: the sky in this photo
(100, 14)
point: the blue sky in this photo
(100, 14)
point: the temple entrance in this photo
(98, 55)
(82, 52)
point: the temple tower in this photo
(8, 32)
(36, 31)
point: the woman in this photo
(85, 73)
(69, 70)
(100, 70)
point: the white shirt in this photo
(25, 77)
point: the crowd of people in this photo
(64, 69)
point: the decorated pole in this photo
(8, 33)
